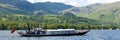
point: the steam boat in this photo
(36, 32)
(58, 32)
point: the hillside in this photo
(21, 4)
(10, 9)
(33, 8)
(81, 10)
(18, 13)
(51, 7)
(104, 12)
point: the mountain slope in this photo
(51, 7)
(10, 9)
(104, 12)
(21, 4)
(107, 12)
(32, 8)
(82, 10)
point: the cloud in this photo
(107, 1)
(76, 2)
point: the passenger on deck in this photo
(28, 31)
(38, 32)
(35, 30)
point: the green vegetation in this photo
(17, 13)
(19, 22)
(106, 13)
(8, 22)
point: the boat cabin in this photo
(60, 31)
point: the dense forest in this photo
(20, 22)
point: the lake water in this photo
(92, 35)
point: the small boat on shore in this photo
(57, 32)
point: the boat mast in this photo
(28, 27)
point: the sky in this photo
(76, 3)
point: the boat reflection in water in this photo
(58, 32)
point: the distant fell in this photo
(103, 12)
(31, 8)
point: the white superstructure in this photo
(60, 31)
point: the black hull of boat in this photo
(38, 35)
(52, 35)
